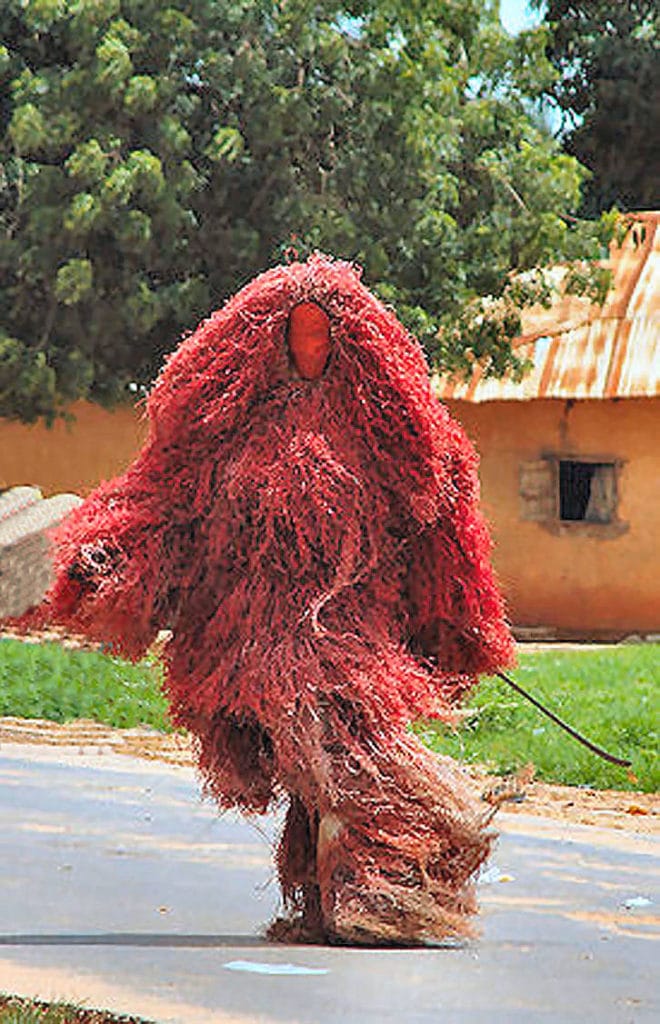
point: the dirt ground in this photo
(635, 812)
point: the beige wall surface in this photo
(71, 456)
(575, 577)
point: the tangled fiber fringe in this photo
(317, 550)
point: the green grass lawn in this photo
(16, 1010)
(611, 695)
(50, 681)
(24, 1011)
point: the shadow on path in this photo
(138, 939)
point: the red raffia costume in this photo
(304, 518)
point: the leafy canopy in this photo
(154, 156)
(607, 55)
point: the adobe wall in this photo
(576, 581)
(579, 579)
(70, 456)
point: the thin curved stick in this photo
(564, 725)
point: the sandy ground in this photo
(635, 812)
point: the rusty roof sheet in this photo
(578, 350)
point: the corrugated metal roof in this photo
(579, 350)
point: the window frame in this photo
(567, 527)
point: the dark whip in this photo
(564, 725)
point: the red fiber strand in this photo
(316, 548)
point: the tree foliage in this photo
(155, 155)
(607, 55)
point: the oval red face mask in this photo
(309, 339)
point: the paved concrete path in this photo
(121, 889)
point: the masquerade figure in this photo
(304, 519)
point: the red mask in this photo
(309, 339)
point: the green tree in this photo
(607, 55)
(154, 156)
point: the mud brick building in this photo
(570, 456)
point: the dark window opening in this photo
(587, 491)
